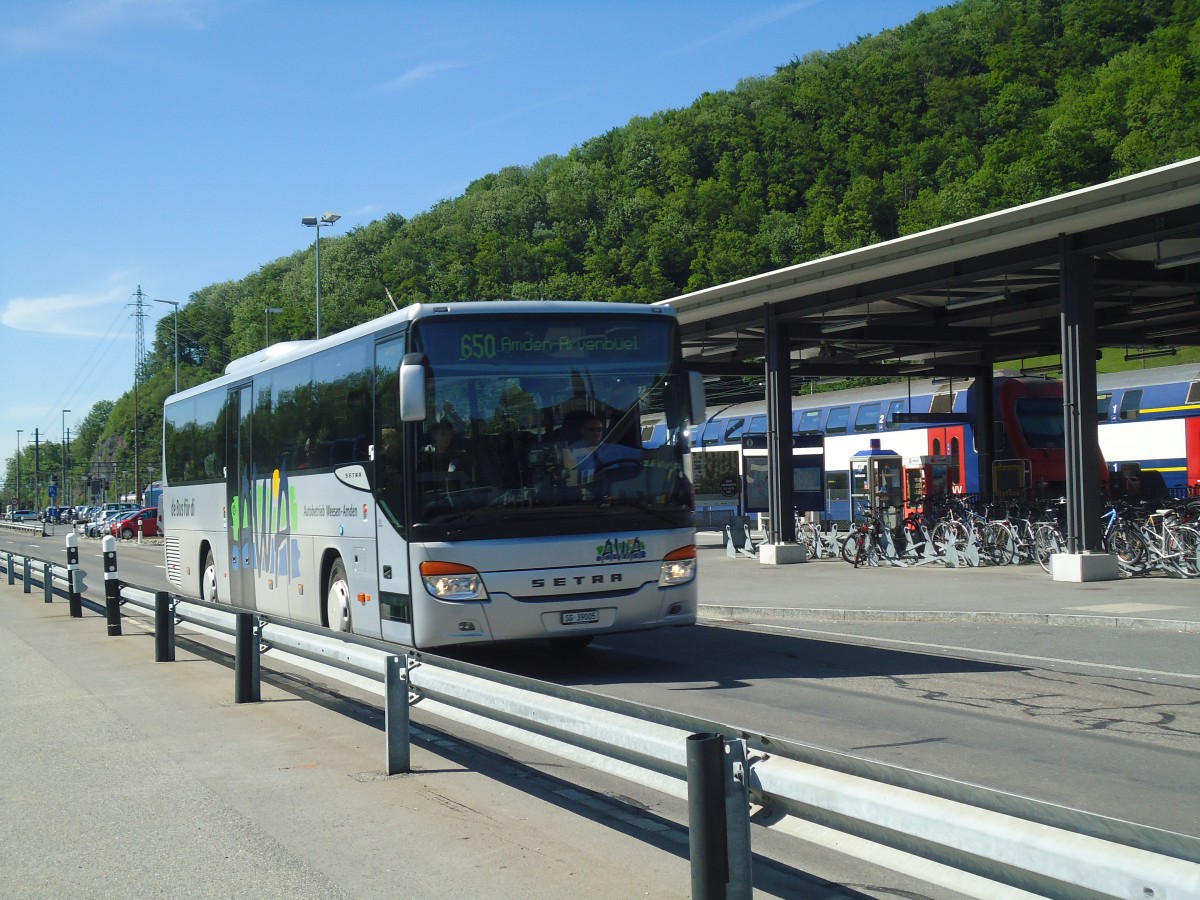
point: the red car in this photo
(128, 526)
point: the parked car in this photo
(127, 527)
(22, 515)
(100, 525)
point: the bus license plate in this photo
(582, 617)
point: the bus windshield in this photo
(534, 426)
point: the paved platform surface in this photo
(125, 778)
(830, 590)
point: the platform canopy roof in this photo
(976, 293)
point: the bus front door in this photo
(239, 495)
(391, 459)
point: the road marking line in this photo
(977, 650)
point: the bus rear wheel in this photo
(337, 598)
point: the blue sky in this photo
(174, 144)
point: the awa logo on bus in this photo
(621, 550)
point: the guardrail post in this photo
(12, 576)
(47, 582)
(73, 587)
(112, 586)
(26, 578)
(740, 885)
(706, 815)
(164, 628)
(395, 715)
(247, 686)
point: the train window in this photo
(838, 421)
(733, 430)
(1193, 393)
(943, 402)
(1102, 401)
(1131, 404)
(810, 420)
(712, 432)
(1041, 422)
(758, 425)
(867, 417)
(896, 406)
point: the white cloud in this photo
(418, 74)
(67, 315)
(65, 25)
(748, 26)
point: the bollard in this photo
(164, 628)
(706, 815)
(247, 685)
(74, 601)
(47, 582)
(112, 586)
(139, 539)
(395, 715)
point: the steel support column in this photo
(779, 432)
(985, 427)
(1077, 287)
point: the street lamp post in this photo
(19, 432)
(174, 303)
(315, 222)
(267, 330)
(62, 482)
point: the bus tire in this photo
(337, 598)
(208, 579)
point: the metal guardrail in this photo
(23, 528)
(978, 841)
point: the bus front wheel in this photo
(337, 598)
(208, 579)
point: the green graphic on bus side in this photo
(261, 517)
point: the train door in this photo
(1192, 439)
(949, 441)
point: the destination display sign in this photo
(550, 341)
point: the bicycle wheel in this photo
(1001, 543)
(1126, 541)
(948, 532)
(852, 545)
(1183, 550)
(1047, 541)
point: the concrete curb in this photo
(774, 613)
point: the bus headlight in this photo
(452, 581)
(678, 567)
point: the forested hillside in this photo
(975, 107)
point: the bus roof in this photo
(285, 351)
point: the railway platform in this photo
(828, 590)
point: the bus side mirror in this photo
(699, 408)
(412, 388)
